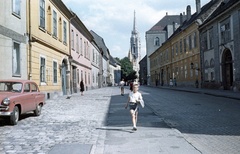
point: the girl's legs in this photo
(134, 118)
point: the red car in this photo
(18, 97)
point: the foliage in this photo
(127, 69)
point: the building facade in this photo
(178, 59)
(81, 52)
(143, 71)
(158, 34)
(135, 48)
(96, 54)
(13, 40)
(220, 47)
(48, 48)
(105, 73)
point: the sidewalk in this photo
(152, 137)
(213, 92)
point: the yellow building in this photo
(177, 61)
(48, 50)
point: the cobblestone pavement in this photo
(63, 121)
(211, 124)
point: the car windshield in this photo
(10, 86)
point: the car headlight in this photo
(6, 101)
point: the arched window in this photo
(206, 65)
(49, 19)
(60, 29)
(157, 41)
(212, 63)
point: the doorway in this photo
(227, 69)
(64, 78)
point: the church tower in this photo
(134, 54)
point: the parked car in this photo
(18, 97)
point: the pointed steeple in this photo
(134, 24)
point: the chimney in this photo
(166, 13)
(198, 6)
(174, 27)
(181, 19)
(188, 12)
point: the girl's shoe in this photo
(135, 128)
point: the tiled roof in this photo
(100, 43)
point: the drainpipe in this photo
(29, 40)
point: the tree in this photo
(127, 69)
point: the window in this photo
(180, 46)
(77, 50)
(190, 42)
(81, 75)
(34, 88)
(16, 7)
(88, 78)
(54, 23)
(42, 69)
(93, 77)
(16, 59)
(225, 31)
(54, 72)
(185, 44)
(85, 47)
(211, 38)
(27, 87)
(42, 13)
(78, 76)
(157, 41)
(194, 40)
(85, 78)
(204, 41)
(176, 48)
(72, 39)
(93, 54)
(81, 46)
(64, 32)
(212, 63)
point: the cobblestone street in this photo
(63, 121)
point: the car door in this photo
(28, 98)
(36, 95)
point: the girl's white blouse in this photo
(134, 97)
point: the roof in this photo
(100, 43)
(112, 61)
(222, 7)
(194, 17)
(166, 20)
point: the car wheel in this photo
(15, 116)
(38, 110)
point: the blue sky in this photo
(113, 19)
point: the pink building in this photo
(80, 44)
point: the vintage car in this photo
(18, 97)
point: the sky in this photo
(113, 19)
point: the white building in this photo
(13, 59)
(95, 66)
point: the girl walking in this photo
(134, 99)
(81, 87)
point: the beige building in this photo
(48, 49)
(177, 61)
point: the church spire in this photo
(134, 23)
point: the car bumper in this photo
(5, 113)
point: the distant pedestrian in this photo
(121, 84)
(82, 87)
(131, 85)
(134, 99)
